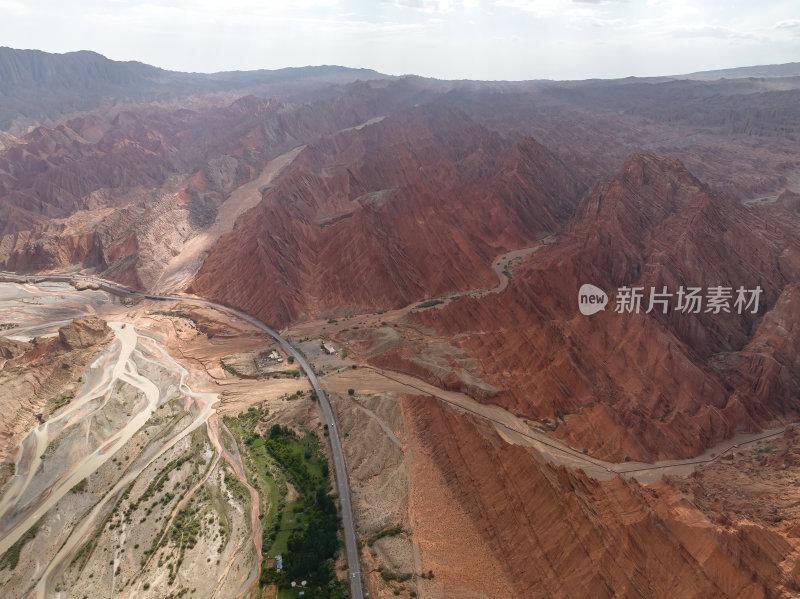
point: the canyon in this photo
(421, 243)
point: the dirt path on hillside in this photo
(503, 263)
(520, 432)
(502, 266)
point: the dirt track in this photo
(517, 431)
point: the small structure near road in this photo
(269, 361)
(254, 364)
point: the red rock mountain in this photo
(557, 533)
(648, 386)
(117, 192)
(413, 206)
(407, 189)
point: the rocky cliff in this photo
(413, 206)
(652, 385)
(40, 372)
(552, 532)
(123, 193)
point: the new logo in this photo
(591, 299)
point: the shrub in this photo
(429, 303)
(388, 532)
(80, 487)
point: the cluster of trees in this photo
(311, 548)
(283, 445)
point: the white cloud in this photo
(710, 31)
(434, 6)
(608, 23)
(444, 38)
(262, 6)
(9, 8)
(540, 8)
(571, 12)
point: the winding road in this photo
(518, 431)
(593, 466)
(342, 485)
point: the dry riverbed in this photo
(127, 482)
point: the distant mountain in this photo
(790, 69)
(39, 87)
(34, 68)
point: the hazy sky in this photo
(453, 39)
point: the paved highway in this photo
(342, 485)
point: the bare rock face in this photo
(99, 199)
(36, 373)
(84, 332)
(557, 533)
(789, 454)
(82, 285)
(648, 386)
(412, 206)
(122, 193)
(790, 201)
(10, 349)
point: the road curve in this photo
(591, 466)
(342, 485)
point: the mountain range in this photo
(440, 231)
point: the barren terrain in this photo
(421, 244)
(131, 452)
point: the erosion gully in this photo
(90, 430)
